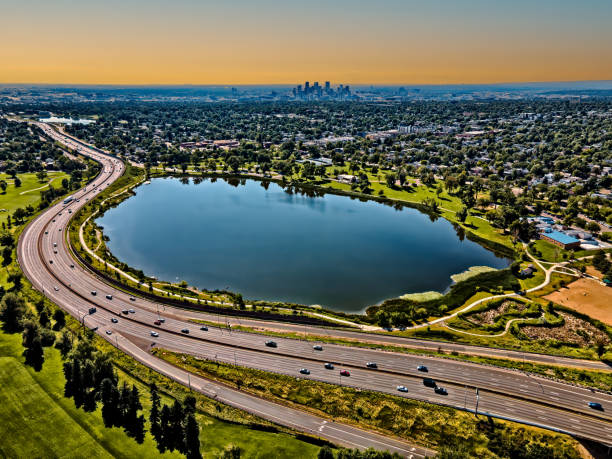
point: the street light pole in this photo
(477, 400)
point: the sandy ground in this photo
(588, 297)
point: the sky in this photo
(287, 41)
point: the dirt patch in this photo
(490, 316)
(588, 297)
(574, 330)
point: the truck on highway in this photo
(68, 199)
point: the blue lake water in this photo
(265, 243)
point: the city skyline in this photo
(391, 43)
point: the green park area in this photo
(38, 421)
(28, 193)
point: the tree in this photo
(12, 310)
(3, 186)
(19, 214)
(164, 422)
(325, 453)
(192, 437)
(41, 175)
(231, 452)
(154, 415)
(390, 179)
(17, 182)
(60, 319)
(7, 256)
(64, 344)
(110, 398)
(462, 214)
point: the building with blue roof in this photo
(561, 239)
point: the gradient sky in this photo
(287, 41)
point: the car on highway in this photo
(596, 406)
(125, 311)
(162, 320)
(94, 293)
(50, 262)
(132, 298)
(154, 334)
(402, 388)
(271, 344)
(131, 311)
(317, 347)
(69, 211)
(422, 368)
(109, 297)
(55, 244)
(305, 371)
(114, 320)
(429, 382)
(56, 289)
(344, 373)
(157, 322)
(108, 332)
(72, 265)
(440, 390)
(204, 328)
(46, 232)
(329, 366)
(92, 310)
(185, 330)
(371, 365)
(55, 251)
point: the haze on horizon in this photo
(283, 42)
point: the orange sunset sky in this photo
(273, 41)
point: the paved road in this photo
(502, 393)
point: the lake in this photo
(257, 239)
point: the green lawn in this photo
(37, 421)
(27, 193)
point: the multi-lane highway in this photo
(45, 258)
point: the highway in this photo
(46, 260)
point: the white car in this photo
(317, 347)
(154, 334)
(402, 388)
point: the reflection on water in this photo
(287, 244)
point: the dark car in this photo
(596, 406)
(344, 373)
(371, 365)
(114, 320)
(305, 371)
(329, 366)
(429, 382)
(157, 322)
(441, 391)
(185, 330)
(109, 297)
(271, 343)
(422, 368)
(92, 310)
(125, 311)
(204, 328)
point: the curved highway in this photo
(46, 260)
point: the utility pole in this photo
(477, 400)
(189, 380)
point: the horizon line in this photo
(496, 83)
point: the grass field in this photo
(37, 421)
(27, 193)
